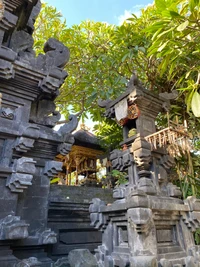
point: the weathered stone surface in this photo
(31, 262)
(62, 262)
(28, 144)
(143, 261)
(12, 228)
(82, 258)
(69, 217)
(148, 225)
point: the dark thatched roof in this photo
(86, 139)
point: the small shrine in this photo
(82, 160)
(148, 225)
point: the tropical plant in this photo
(162, 46)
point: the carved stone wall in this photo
(28, 143)
(69, 218)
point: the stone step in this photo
(180, 261)
(171, 256)
(169, 249)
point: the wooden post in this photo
(66, 176)
(77, 161)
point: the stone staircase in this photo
(174, 254)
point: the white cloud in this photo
(128, 13)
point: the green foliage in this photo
(175, 42)
(54, 180)
(120, 176)
(110, 134)
(187, 167)
(197, 237)
(162, 46)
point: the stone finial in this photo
(70, 126)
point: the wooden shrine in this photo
(82, 160)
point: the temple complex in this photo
(145, 224)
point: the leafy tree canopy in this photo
(162, 46)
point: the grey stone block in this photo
(82, 258)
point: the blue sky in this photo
(111, 11)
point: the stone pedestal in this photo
(148, 225)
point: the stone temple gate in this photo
(37, 227)
(148, 225)
(28, 144)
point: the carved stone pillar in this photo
(142, 238)
(142, 156)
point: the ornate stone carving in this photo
(17, 182)
(30, 130)
(139, 219)
(6, 69)
(192, 217)
(97, 219)
(28, 84)
(64, 148)
(142, 156)
(50, 85)
(21, 43)
(24, 165)
(12, 228)
(43, 112)
(156, 224)
(24, 144)
(8, 21)
(69, 127)
(7, 113)
(52, 168)
(116, 159)
(30, 262)
(47, 237)
(21, 178)
(193, 203)
(119, 192)
(173, 190)
(192, 220)
(61, 262)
